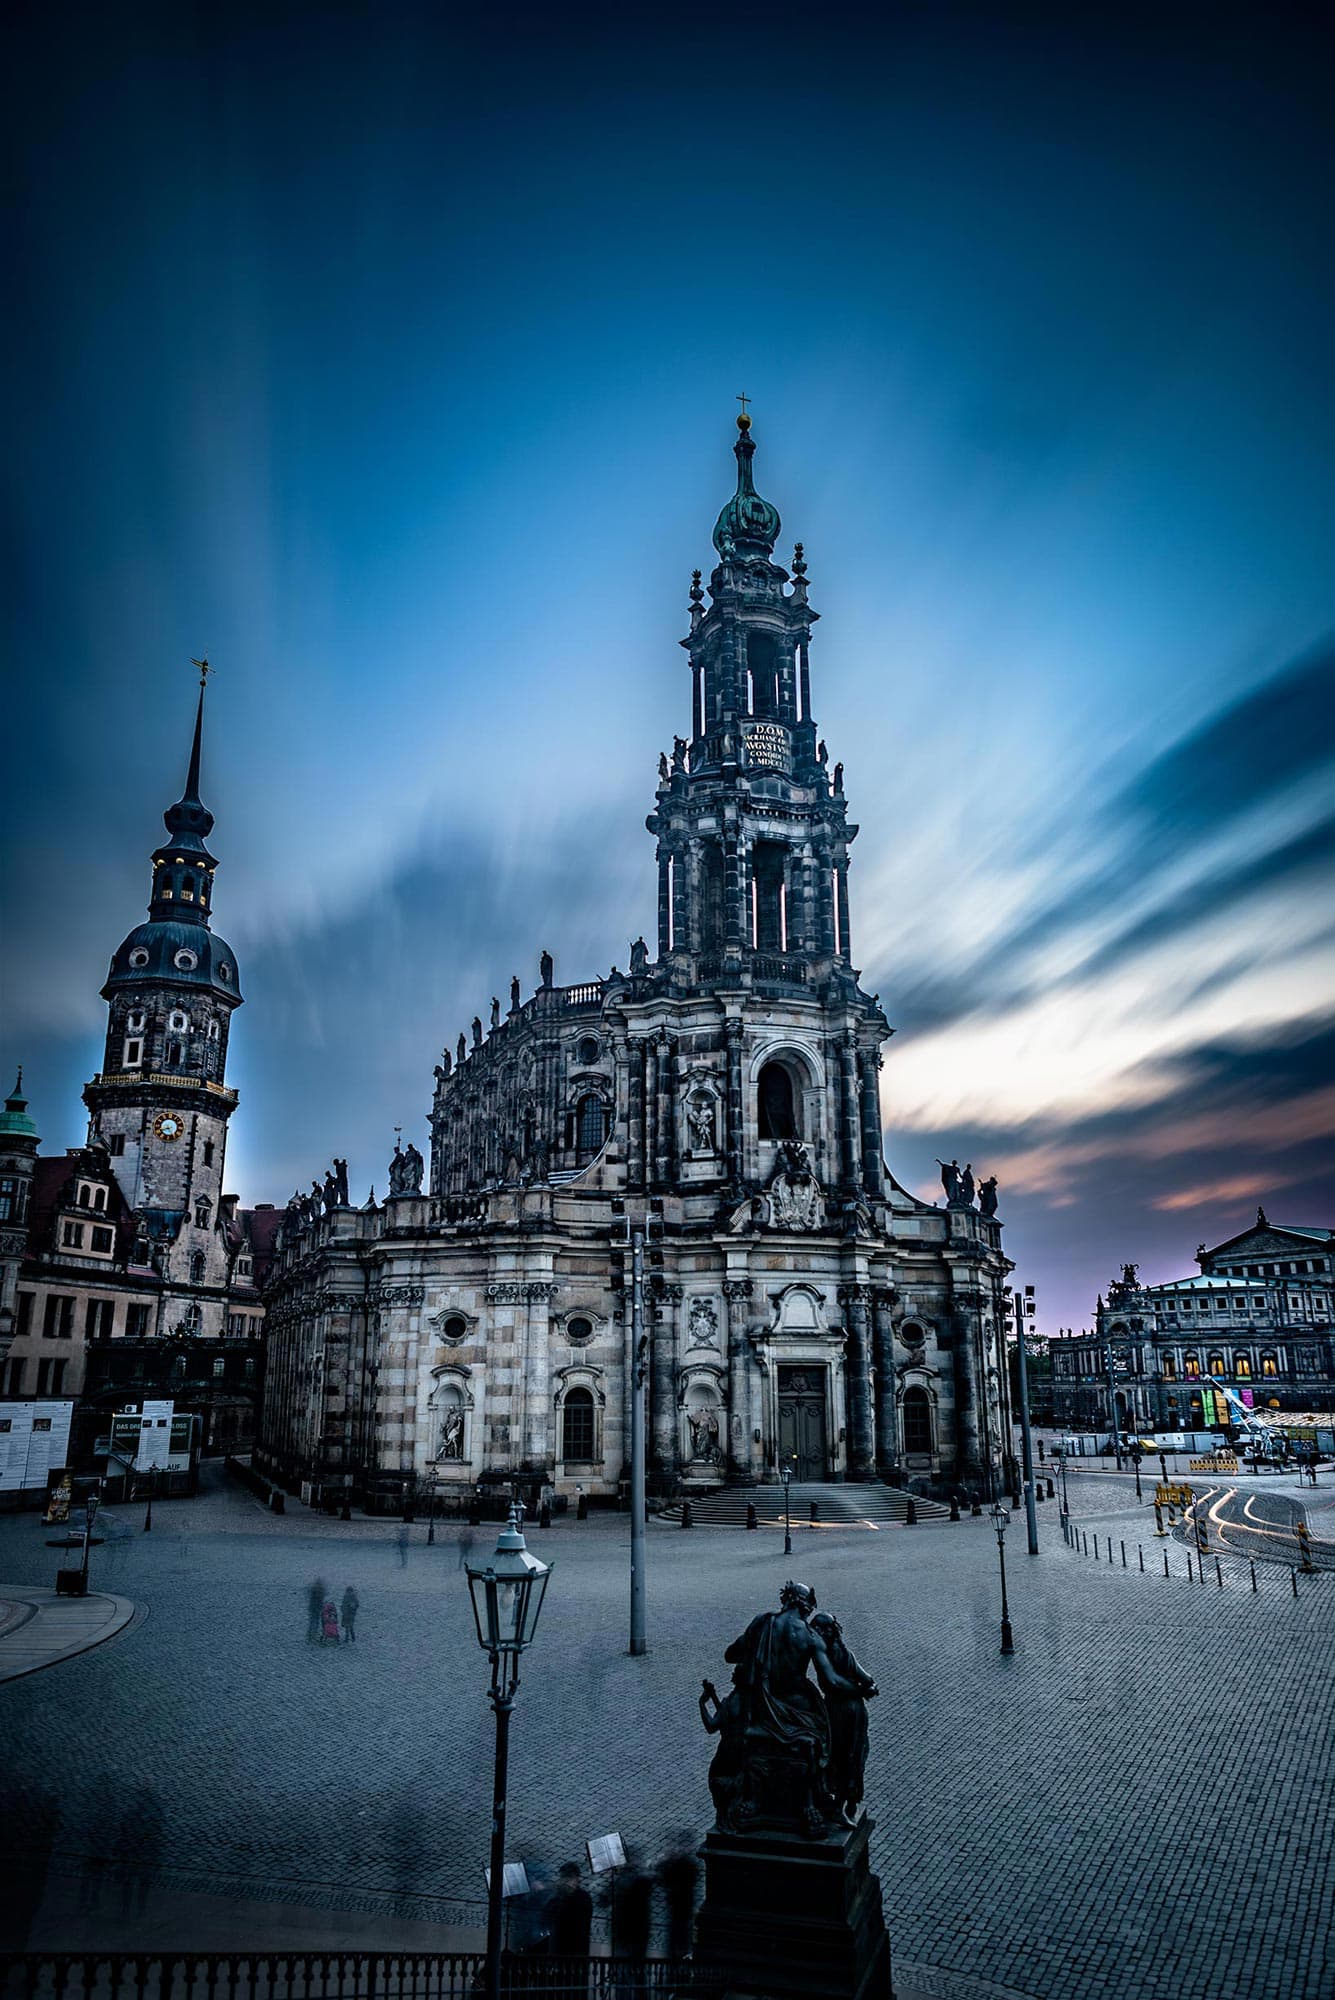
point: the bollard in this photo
(545, 1514)
(1218, 1573)
(582, 1508)
(1110, 1548)
(1123, 1555)
(1293, 1579)
(1252, 1567)
(1052, 1491)
(475, 1514)
(815, 1514)
(954, 1506)
(977, 1508)
(1096, 1548)
(751, 1520)
(910, 1512)
(279, 1501)
(1084, 1542)
(1141, 1554)
(686, 1520)
(1165, 1562)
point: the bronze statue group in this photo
(792, 1749)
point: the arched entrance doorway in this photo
(802, 1422)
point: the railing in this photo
(341, 1975)
(170, 1081)
(773, 966)
(590, 994)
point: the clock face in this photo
(168, 1125)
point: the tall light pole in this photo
(1024, 1303)
(507, 1598)
(431, 1478)
(786, 1475)
(637, 1370)
(1112, 1401)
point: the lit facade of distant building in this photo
(1256, 1317)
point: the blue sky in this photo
(391, 358)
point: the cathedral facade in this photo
(802, 1308)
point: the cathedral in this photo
(803, 1310)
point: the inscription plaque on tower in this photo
(767, 743)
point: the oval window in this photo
(588, 1050)
(224, 970)
(139, 956)
(578, 1330)
(186, 960)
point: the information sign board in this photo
(34, 1440)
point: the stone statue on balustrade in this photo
(406, 1169)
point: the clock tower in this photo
(160, 1103)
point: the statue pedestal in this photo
(785, 1917)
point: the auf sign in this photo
(767, 743)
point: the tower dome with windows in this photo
(160, 1103)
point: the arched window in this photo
(1270, 1364)
(197, 1268)
(776, 1106)
(202, 1212)
(1242, 1367)
(1216, 1364)
(917, 1421)
(178, 1368)
(193, 1319)
(590, 1126)
(1170, 1368)
(178, 1022)
(1191, 1367)
(577, 1427)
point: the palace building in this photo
(126, 1271)
(803, 1308)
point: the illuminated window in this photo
(1191, 1367)
(1242, 1367)
(1170, 1368)
(1269, 1364)
(1216, 1364)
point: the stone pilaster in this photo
(737, 1295)
(887, 1412)
(856, 1301)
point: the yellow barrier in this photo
(1218, 1461)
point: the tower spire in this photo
(191, 791)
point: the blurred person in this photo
(315, 1597)
(570, 1914)
(401, 1540)
(351, 1605)
(329, 1623)
(139, 1845)
(678, 1874)
(632, 1910)
(465, 1546)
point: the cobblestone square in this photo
(1136, 1803)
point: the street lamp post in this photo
(507, 1597)
(90, 1507)
(152, 1484)
(1066, 1504)
(637, 1373)
(431, 1478)
(1001, 1521)
(786, 1475)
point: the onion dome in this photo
(748, 527)
(14, 1120)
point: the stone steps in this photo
(836, 1504)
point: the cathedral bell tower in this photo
(160, 1103)
(752, 831)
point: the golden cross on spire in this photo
(204, 668)
(743, 400)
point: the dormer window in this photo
(243, 1267)
(185, 961)
(224, 972)
(138, 957)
